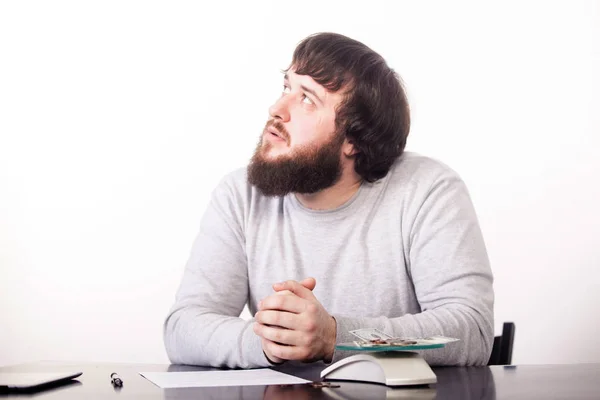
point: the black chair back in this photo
(503, 346)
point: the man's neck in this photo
(334, 196)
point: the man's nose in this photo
(280, 109)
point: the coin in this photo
(319, 385)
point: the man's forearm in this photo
(475, 331)
(197, 337)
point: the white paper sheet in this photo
(245, 377)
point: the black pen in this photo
(115, 380)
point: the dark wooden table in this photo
(575, 381)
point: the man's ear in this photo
(348, 148)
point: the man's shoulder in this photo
(415, 179)
(237, 178)
(417, 168)
(235, 186)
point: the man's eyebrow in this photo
(285, 78)
(311, 92)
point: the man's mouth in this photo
(275, 135)
(274, 132)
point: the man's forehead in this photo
(308, 82)
(305, 80)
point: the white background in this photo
(118, 118)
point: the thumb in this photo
(309, 283)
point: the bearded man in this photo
(333, 227)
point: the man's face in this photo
(299, 150)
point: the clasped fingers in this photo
(290, 303)
(277, 318)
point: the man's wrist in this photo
(331, 342)
(271, 361)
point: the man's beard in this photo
(305, 170)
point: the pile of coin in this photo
(385, 342)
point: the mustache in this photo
(278, 126)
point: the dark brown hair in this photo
(374, 113)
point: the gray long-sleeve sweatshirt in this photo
(404, 255)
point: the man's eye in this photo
(286, 89)
(306, 99)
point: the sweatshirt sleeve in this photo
(448, 263)
(203, 326)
